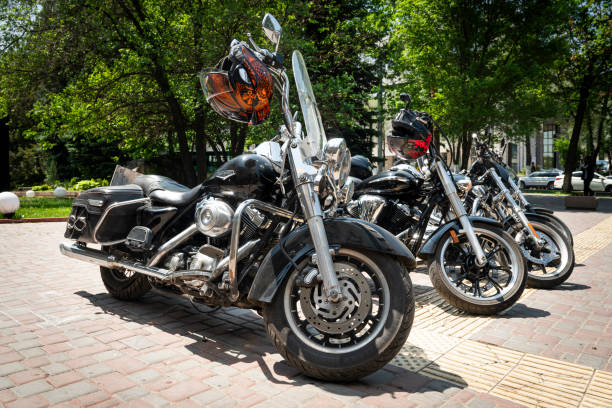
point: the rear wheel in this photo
(550, 185)
(124, 285)
(350, 339)
(482, 290)
(609, 189)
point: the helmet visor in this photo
(221, 97)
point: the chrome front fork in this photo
(303, 176)
(459, 210)
(516, 209)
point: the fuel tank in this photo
(391, 184)
(243, 177)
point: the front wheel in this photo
(482, 290)
(550, 265)
(522, 185)
(350, 339)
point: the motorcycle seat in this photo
(166, 191)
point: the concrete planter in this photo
(581, 202)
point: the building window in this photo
(548, 138)
(514, 162)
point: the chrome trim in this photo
(109, 261)
(173, 243)
(459, 210)
(105, 214)
(516, 209)
(235, 238)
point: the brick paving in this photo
(65, 342)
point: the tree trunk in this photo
(572, 156)
(589, 159)
(528, 153)
(5, 143)
(466, 146)
(238, 138)
(200, 145)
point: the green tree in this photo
(472, 63)
(584, 70)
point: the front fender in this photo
(540, 210)
(341, 232)
(428, 249)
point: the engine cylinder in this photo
(213, 217)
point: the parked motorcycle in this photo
(473, 263)
(548, 254)
(335, 293)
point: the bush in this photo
(87, 184)
(42, 187)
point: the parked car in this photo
(599, 182)
(540, 179)
(603, 166)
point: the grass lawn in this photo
(43, 207)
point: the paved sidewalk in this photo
(65, 342)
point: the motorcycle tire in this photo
(452, 293)
(560, 225)
(124, 286)
(343, 347)
(550, 232)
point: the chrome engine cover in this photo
(367, 207)
(213, 217)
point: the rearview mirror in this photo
(272, 29)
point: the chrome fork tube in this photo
(516, 209)
(519, 193)
(303, 176)
(459, 209)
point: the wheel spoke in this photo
(501, 268)
(493, 251)
(495, 284)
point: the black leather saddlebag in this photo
(104, 215)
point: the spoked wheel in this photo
(349, 339)
(486, 289)
(551, 264)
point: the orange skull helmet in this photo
(240, 87)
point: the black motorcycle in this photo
(335, 293)
(473, 263)
(548, 253)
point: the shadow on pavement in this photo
(568, 286)
(522, 311)
(237, 336)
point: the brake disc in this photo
(546, 256)
(345, 315)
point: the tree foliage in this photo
(472, 63)
(124, 72)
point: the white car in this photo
(599, 182)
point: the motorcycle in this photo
(548, 253)
(473, 263)
(335, 293)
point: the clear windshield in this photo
(315, 134)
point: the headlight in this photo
(338, 159)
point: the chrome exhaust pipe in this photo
(98, 257)
(109, 261)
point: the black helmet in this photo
(360, 167)
(411, 134)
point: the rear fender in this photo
(341, 233)
(428, 249)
